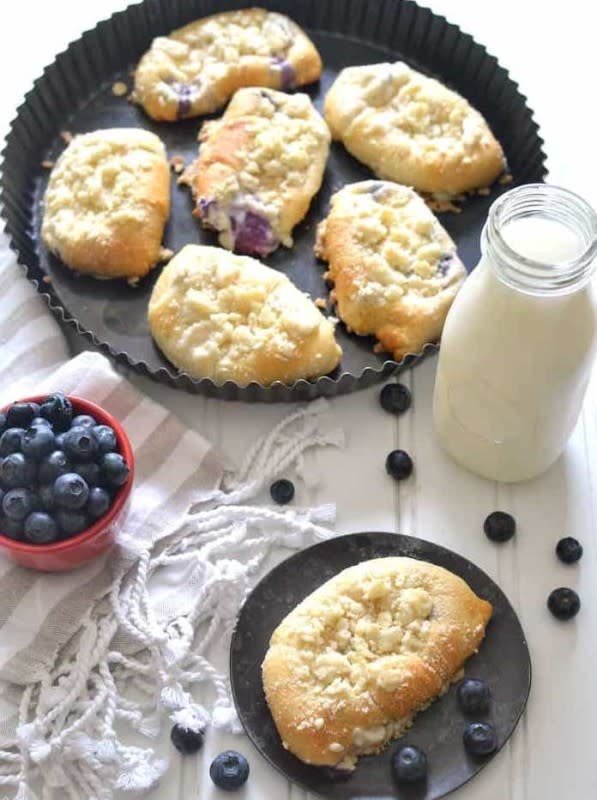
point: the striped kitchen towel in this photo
(146, 616)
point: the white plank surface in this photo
(550, 51)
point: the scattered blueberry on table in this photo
(474, 696)
(499, 526)
(399, 464)
(185, 740)
(569, 550)
(282, 491)
(563, 603)
(479, 738)
(409, 764)
(395, 398)
(59, 471)
(229, 770)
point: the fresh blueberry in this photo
(83, 421)
(399, 464)
(229, 770)
(569, 550)
(19, 415)
(11, 440)
(395, 398)
(499, 526)
(80, 444)
(53, 466)
(114, 470)
(18, 503)
(58, 409)
(46, 497)
(71, 523)
(563, 603)
(474, 696)
(40, 528)
(185, 740)
(38, 422)
(89, 471)
(105, 438)
(38, 442)
(70, 491)
(2, 493)
(16, 471)
(59, 439)
(282, 491)
(98, 502)
(2, 421)
(479, 738)
(13, 528)
(409, 764)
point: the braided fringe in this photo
(66, 740)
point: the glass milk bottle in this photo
(518, 343)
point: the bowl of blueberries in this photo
(66, 475)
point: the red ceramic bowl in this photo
(77, 550)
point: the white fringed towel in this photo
(128, 636)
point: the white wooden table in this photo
(550, 52)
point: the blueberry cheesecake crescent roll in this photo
(412, 129)
(348, 668)
(395, 269)
(107, 202)
(227, 317)
(196, 69)
(259, 167)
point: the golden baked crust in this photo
(412, 129)
(351, 665)
(227, 317)
(107, 202)
(259, 167)
(394, 267)
(196, 69)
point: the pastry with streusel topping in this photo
(412, 129)
(350, 666)
(259, 167)
(395, 269)
(196, 69)
(227, 317)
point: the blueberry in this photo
(38, 442)
(229, 770)
(40, 422)
(13, 528)
(80, 444)
(474, 696)
(409, 764)
(186, 740)
(18, 503)
(2, 421)
(70, 491)
(83, 421)
(569, 550)
(16, 471)
(58, 409)
(114, 470)
(98, 503)
(19, 415)
(563, 603)
(89, 471)
(479, 738)
(46, 497)
(59, 440)
(40, 528)
(53, 466)
(399, 464)
(71, 523)
(395, 398)
(282, 491)
(499, 526)
(105, 438)
(11, 440)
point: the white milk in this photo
(515, 360)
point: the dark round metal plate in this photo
(75, 94)
(503, 661)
